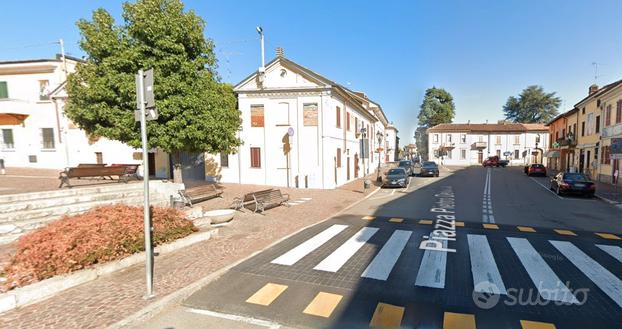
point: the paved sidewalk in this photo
(112, 298)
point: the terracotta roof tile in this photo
(489, 127)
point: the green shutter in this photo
(4, 90)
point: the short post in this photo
(2, 171)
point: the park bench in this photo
(132, 169)
(259, 201)
(92, 172)
(90, 165)
(199, 193)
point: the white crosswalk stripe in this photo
(605, 280)
(296, 254)
(486, 276)
(335, 261)
(432, 269)
(381, 266)
(614, 251)
(546, 281)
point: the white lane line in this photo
(486, 276)
(605, 280)
(381, 266)
(546, 188)
(296, 254)
(546, 281)
(239, 318)
(432, 269)
(335, 261)
(614, 251)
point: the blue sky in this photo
(480, 51)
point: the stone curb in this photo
(45, 289)
(154, 308)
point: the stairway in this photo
(20, 213)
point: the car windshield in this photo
(396, 171)
(404, 164)
(575, 177)
(429, 164)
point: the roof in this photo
(600, 91)
(488, 127)
(563, 115)
(57, 58)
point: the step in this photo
(22, 216)
(67, 192)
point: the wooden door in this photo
(348, 169)
(356, 166)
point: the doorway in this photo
(356, 165)
(480, 157)
(152, 164)
(348, 168)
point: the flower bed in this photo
(97, 236)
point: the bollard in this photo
(296, 180)
(2, 172)
(306, 181)
(366, 184)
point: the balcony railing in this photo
(566, 141)
(479, 145)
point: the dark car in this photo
(396, 177)
(430, 169)
(407, 165)
(536, 169)
(573, 183)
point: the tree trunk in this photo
(177, 177)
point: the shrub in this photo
(97, 236)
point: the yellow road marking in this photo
(387, 316)
(536, 325)
(526, 229)
(491, 226)
(459, 224)
(396, 220)
(323, 304)
(458, 321)
(266, 295)
(369, 217)
(609, 236)
(425, 222)
(565, 232)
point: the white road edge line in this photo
(239, 318)
(546, 188)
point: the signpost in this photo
(145, 102)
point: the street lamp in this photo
(379, 136)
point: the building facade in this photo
(611, 117)
(588, 138)
(470, 144)
(563, 141)
(300, 129)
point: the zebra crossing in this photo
(485, 274)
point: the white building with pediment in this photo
(300, 129)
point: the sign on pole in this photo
(145, 88)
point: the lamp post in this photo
(379, 136)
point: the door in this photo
(356, 165)
(192, 168)
(480, 157)
(348, 168)
(152, 165)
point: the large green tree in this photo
(197, 112)
(533, 105)
(437, 107)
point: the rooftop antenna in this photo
(595, 65)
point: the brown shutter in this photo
(338, 158)
(348, 121)
(338, 111)
(255, 157)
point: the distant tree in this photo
(421, 141)
(197, 113)
(533, 105)
(437, 107)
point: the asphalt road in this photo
(474, 248)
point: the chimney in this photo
(280, 52)
(593, 89)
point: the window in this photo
(516, 154)
(348, 121)
(607, 116)
(563, 133)
(4, 90)
(498, 140)
(338, 112)
(606, 158)
(463, 138)
(7, 139)
(583, 110)
(255, 157)
(310, 114)
(281, 115)
(224, 160)
(47, 138)
(583, 128)
(448, 154)
(448, 138)
(257, 117)
(597, 124)
(517, 139)
(590, 123)
(499, 153)
(619, 111)
(480, 138)
(338, 158)
(435, 138)
(356, 125)
(99, 158)
(44, 90)
(463, 154)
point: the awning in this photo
(552, 154)
(13, 112)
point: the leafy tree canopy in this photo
(437, 107)
(197, 113)
(533, 105)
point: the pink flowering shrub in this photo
(97, 236)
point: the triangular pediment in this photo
(282, 73)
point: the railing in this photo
(479, 145)
(566, 142)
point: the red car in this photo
(536, 169)
(492, 161)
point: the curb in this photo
(154, 308)
(47, 288)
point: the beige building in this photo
(611, 109)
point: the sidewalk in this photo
(114, 297)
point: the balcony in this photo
(448, 146)
(479, 145)
(566, 142)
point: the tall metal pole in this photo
(146, 212)
(263, 55)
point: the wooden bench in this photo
(92, 172)
(259, 201)
(132, 169)
(91, 165)
(199, 193)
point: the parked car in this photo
(407, 165)
(396, 177)
(503, 163)
(574, 183)
(429, 168)
(536, 169)
(492, 161)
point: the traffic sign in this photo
(507, 153)
(290, 131)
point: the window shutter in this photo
(338, 158)
(4, 90)
(338, 112)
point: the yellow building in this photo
(611, 109)
(588, 134)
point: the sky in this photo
(482, 52)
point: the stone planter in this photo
(219, 216)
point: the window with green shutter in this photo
(4, 90)
(47, 138)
